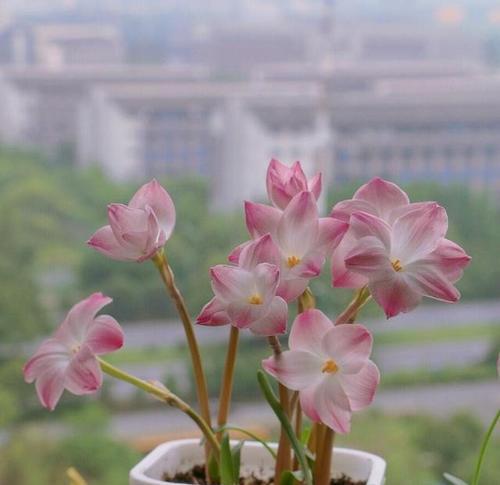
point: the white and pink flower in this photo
(284, 182)
(138, 230)
(68, 359)
(302, 238)
(245, 295)
(408, 260)
(329, 366)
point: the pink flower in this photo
(137, 231)
(377, 197)
(329, 366)
(283, 183)
(407, 261)
(245, 295)
(302, 239)
(68, 359)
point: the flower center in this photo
(255, 299)
(330, 367)
(75, 349)
(292, 261)
(396, 264)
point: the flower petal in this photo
(231, 282)
(104, 241)
(50, 355)
(104, 335)
(363, 224)
(83, 375)
(449, 258)
(369, 257)
(307, 398)
(213, 314)
(341, 276)
(155, 196)
(315, 185)
(431, 282)
(384, 196)
(332, 405)
(349, 346)
(330, 234)
(418, 233)
(242, 314)
(291, 287)
(344, 209)
(361, 387)
(261, 219)
(395, 294)
(266, 280)
(310, 265)
(308, 331)
(74, 329)
(234, 255)
(274, 321)
(298, 227)
(294, 369)
(262, 250)
(50, 386)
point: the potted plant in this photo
(383, 247)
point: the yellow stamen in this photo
(330, 367)
(255, 300)
(292, 261)
(396, 264)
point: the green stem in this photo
(228, 427)
(484, 447)
(349, 315)
(166, 396)
(285, 423)
(227, 379)
(167, 275)
(283, 460)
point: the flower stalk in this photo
(169, 398)
(324, 456)
(227, 380)
(349, 315)
(484, 446)
(161, 262)
(283, 460)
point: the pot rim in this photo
(138, 472)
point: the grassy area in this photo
(441, 376)
(396, 337)
(439, 334)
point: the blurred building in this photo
(77, 44)
(441, 130)
(224, 131)
(397, 42)
(40, 105)
(57, 45)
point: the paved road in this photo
(160, 334)
(480, 398)
(169, 333)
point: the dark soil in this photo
(196, 476)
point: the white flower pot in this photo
(181, 455)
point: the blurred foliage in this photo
(49, 211)
(419, 449)
(29, 458)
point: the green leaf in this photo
(226, 462)
(249, 434)
(454, 480)
(213, 469)
(289, 478)
(236, 456)
(287, 427)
